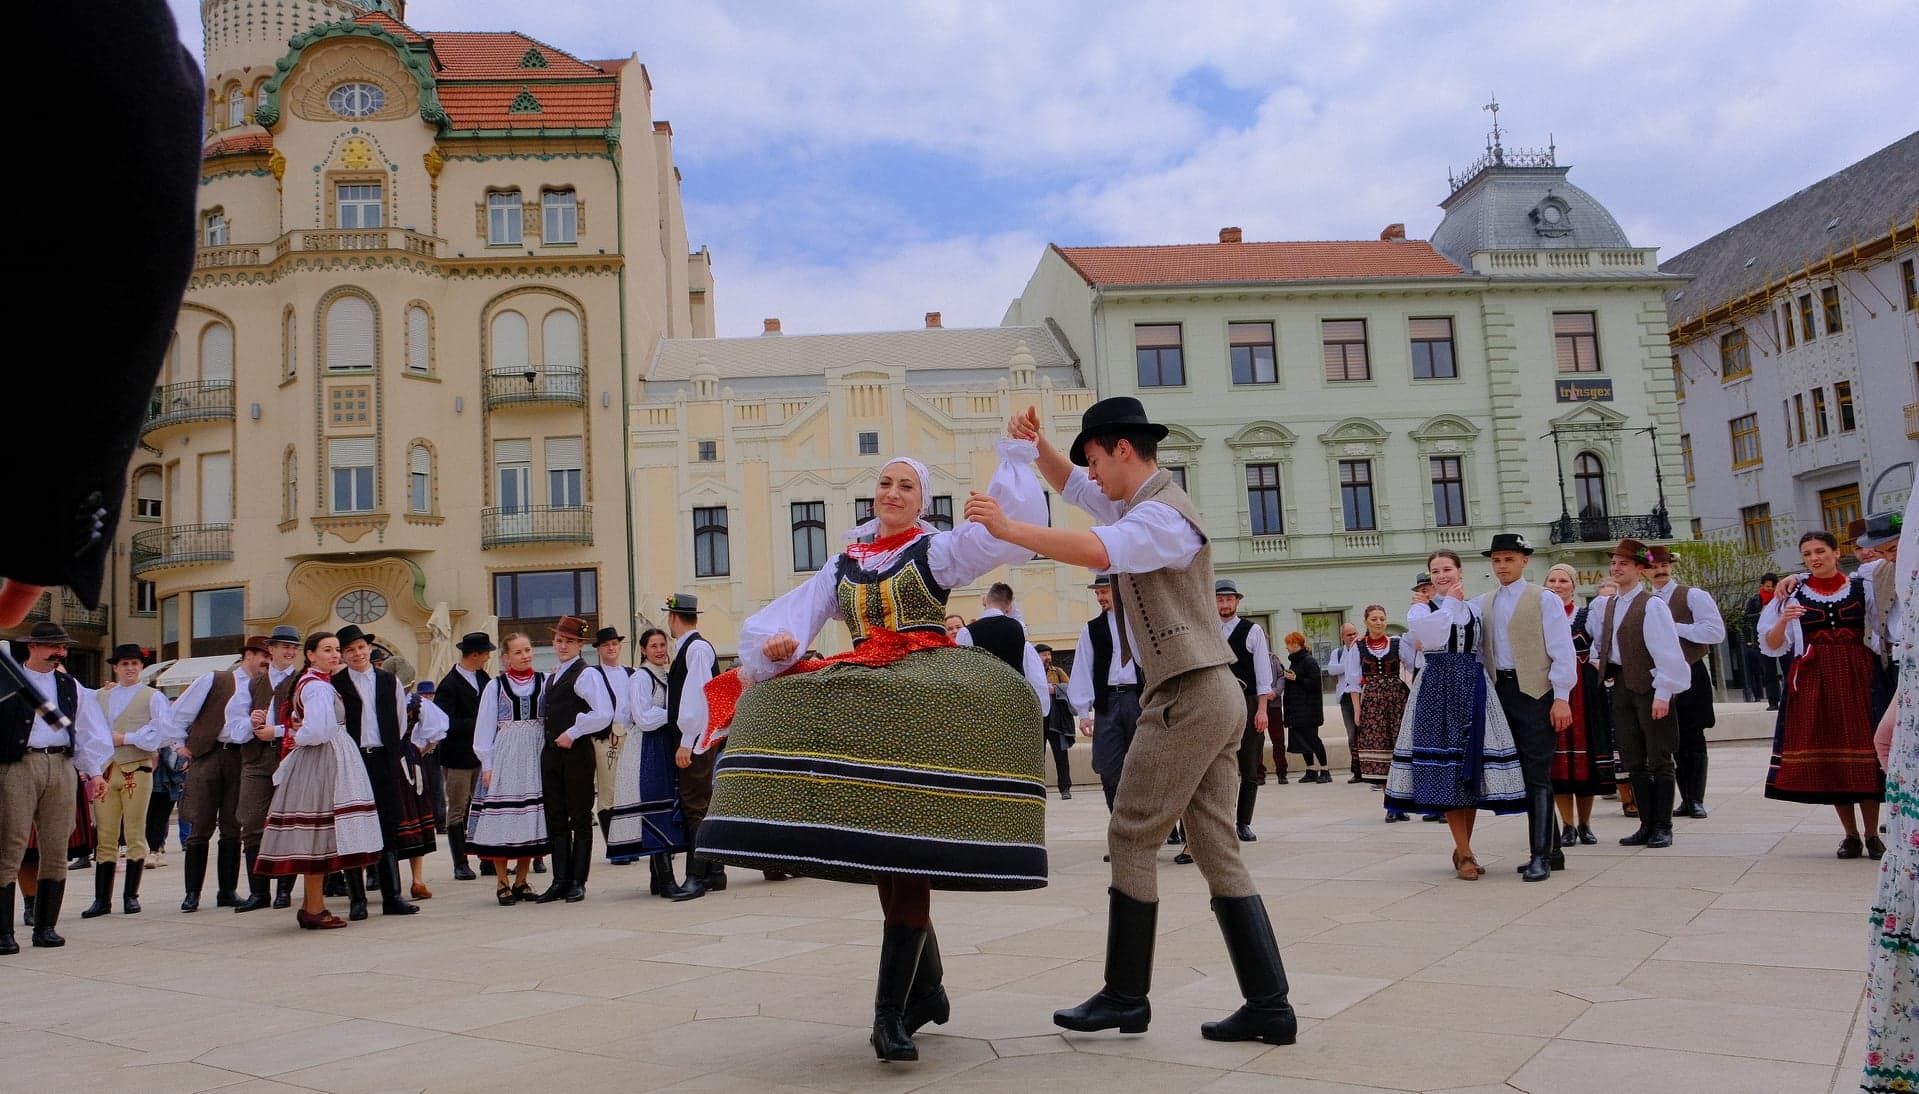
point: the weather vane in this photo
(1496, 148)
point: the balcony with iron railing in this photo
(173, 405)
(502, 526)
(1608, 529)
(181, 545)
(77, 616)
(556, 384)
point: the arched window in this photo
(419, 479)
(509, 343)
(216, 353)
(349, 335)
(290, 344)
(560, 340)
(236, 106)
(1589, 485)
(289, 486)
(419, 340)
(147, 492)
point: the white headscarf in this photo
(871, 527)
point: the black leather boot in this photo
(228, 878)
(539, 864)
(391, 903)
(1131, 929)
(334, 884)
(102, 892)
(1696, 791)
(257, 888)
(487, 867)
(580, 866)
(457, 842)
(1178, 835)
(562, 858)
(1248, 795)
(196, 876)
(130, 888)
(1662, 797)
(26, 909)
(715, 876)
(927, 1001)
(1682, 769)
(1541, 827)
(1642, 797)
(899, 956)
(695, 885)
(8, 947)
(1267, 1016)
(355, 894)
(660, 881)
(46, 913)
(282, 892)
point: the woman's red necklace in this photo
(1826, 586)
(520, 677)
(884, 544)
(1379, 643)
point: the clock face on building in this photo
(361, 606)
(356, 100)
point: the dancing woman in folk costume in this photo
(508, 819)
(1822, 748)
(646, 820)
(322, 818)
(1582, 756)
(908, 763)
(1377, 668)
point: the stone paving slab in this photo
(1733, 960)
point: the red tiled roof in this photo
(479, 76)
(389, 24)
(495, 55)
(1202, 263)
(236, 144)
(562, 106)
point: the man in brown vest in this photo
(137, 717)
(1696, 619)
(1637, 649)
(215, 717)
(1526, 645)
(1184, 757)
(268, 698)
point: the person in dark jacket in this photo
(1300, 699)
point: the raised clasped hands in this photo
(984, 510)
(778, 648)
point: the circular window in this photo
(356, 100)
(361, 606)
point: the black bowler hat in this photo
(284, 633)
(1226, 587)
(1881, 529)
(476, 642)
(1508, 541)
(1042, 648)
(1421, 580)
(126, 651)
(1120, 414)
(607, 634)
(1103, 581)
(352, 633)
(49, 634)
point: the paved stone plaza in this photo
(1731, 962)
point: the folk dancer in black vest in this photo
(1342, 666)
(136, 716)
(1696, 618)
(426, 726)
(375, 720)
(1104, 691)
(1637, 649)
(1252, 667)
(1184, 759)
(37, 783)
(686, 711)
(577, 706)
(1887, 612)
(608, 645)
(458, 697)
(215, 716)
(268, 697)
(1527, 648)
(1000, 633)
(1061, 726)
(647, 818)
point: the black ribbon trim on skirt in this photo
(735, 763)
(836, 854)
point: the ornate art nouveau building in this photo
(430, 265)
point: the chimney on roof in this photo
(772, 326)
(1229, 235)
(932, 320)
(1393, 233)
(664, 127)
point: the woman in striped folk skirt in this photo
(1379, 659)
(1582, 755)
(322, 816)
(909, 763)
(508, 818)
(647, 821)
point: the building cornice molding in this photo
(415, 58)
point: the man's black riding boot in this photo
(899, 957)
(282, 892)
(391, 903)
(461, 870)
(562, 840)
(1131, 929)
(258, 890)
(334, 884)
(130, 888)
(8, 947)
(1642, 796)
(1541, 826)
(1267, 1016)
(580, 867)
(102, 891)
(46, 914)
(1662, 796)
(927, 1001)
(1696, 790)
(1248, 795)
(228, 876)
(355, 894)
(695, 884)
(196, 876)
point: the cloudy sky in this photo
(854, 165)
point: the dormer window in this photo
(356, 100)
(1552, 216)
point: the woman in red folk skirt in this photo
(1582, 755)
(1822, 749)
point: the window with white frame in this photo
(359, 205)
(216, 353)
(350, 470)
(512, 474)
(503, 219)
(349, 335)
(564, 463)
(510, 354)
(419, 485)
(711, 554)
(809, 535)
(236, 107)
(216, 223)
(561, 217)
(147, 494)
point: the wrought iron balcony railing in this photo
(553, 384)
(505, 527)
(78, 616)
(196, 401)
(181, 545)
(1654, 525)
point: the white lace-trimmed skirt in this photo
(508, 818)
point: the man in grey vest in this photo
(1526, 644)
(1636, 647)
(1184, 759)
(1696, 619)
